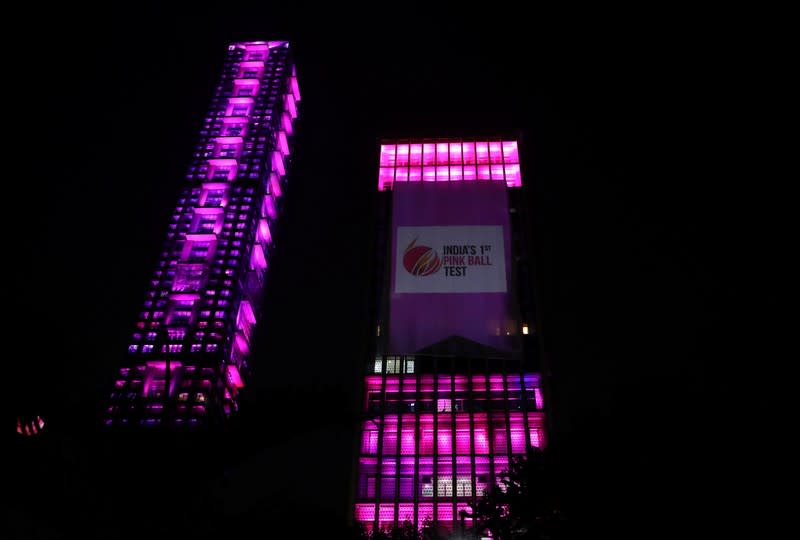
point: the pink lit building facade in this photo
(453, 391)
(189, 355)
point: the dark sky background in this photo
(653, 243)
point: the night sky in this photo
(653, 244)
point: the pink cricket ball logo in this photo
(421, 260)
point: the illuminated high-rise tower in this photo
(189, 355)
(453, 390)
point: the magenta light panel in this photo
(450, 161)
(189, 355)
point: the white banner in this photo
(450, 260)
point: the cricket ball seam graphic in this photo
(421, 260)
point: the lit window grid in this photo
(412, 462)
(449, 161)
(261, 153)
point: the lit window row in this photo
(453, 153)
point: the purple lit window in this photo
(386, 514)
(365, 512)
(387, 158)
(481, 434)
(428, 154)
(444, 512)
(444, 435)
(517, 431)
(390, 435)
(425, 512)
(499, 429)
(416, 154)
(470, 172)
(426, 434)
(402, 155)
(442, 157)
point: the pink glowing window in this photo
(463, 434)
(369, 438)
(222, 169)
(482, 152)
(510, 152)
(277, 163)
(496, 172)
(295, 87)
(415, 151)
(444, 435)
(415, 174)
(245, 318)
(290, 105)
(257, 259)
(365, 512)
(426, 434)
(390, 435)
(483, 172)
(441, 174)
(428, 174)
(392, 383)
(268, 207)
(442, 157)
(495, 152)
(263, 235)
(228, 147)
(251, 70)
(455, 154)
(499, 429)
(481, 434)
(470, 172)
(536, 437)
(425, 512)
(388, 153)
(275, 185)
(283, 143)
(401, 175)
(402, 155)
(245, 87)
(444, 512)
(386, 514)
(199, 247)
(213, 195)
(405, 512)
(239, 106)
(428, 154)
(234, 127)
(286, 123)
(234, 379)
(256, 52)
(537, 396)
(407, 436)
(455, 173)
(517, 431)
(468, 153)
(385, 178)
(513, 176)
